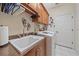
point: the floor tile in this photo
(63, 51)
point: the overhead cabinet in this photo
(29, 8)
(33, 6)
(42, 12)
(38, 10)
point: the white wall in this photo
(14, 22)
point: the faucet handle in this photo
(19, 36)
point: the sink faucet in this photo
(25, 25)
(24, 22)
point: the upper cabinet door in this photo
(42, 12)
(39, 10)
(40, 18)
(30, 8)
(45, 17)
(33, 6)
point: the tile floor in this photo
(62, 51)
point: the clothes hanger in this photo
(14, 10)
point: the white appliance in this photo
(3, 35)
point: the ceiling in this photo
(49, 6)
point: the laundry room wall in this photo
(14, 22)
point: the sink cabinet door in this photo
(38, 50)
(31, 52)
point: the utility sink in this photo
(25, 43)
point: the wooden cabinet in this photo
(45, 18)
(33, 6)
(29, 8)
(42, 12)
(31, 52)
(37, 9)
(38, 50)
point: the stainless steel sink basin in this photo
(25, 43)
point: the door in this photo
(64, 28)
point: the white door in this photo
(64, 28)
